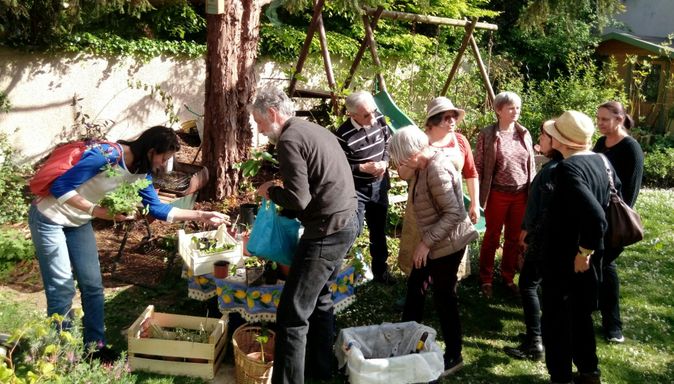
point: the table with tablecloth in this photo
(259, 303)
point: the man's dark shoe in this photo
(105, 355)
(452, 366)
(530, 349)
(587, 378)
(384, 279)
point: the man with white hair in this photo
(365, 137)
(318, 185)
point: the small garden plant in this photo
(125, 199)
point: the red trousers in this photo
(503, 209)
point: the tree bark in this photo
(232, 40)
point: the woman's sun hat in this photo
(442, 104)
(572, 128)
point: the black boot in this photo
(530, 349)
(587, 378)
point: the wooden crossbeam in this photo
(429, 19)
(361, 51)
(304, 52)
(464, 44)
(369, 37)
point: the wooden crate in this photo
(201, 264)
(173, 357)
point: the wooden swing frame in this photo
(370, 18)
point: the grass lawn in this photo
(646, 271)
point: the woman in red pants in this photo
(504, 158)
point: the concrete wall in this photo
(654, 18)
(41, 89)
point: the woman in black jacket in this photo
(574, 230)
(626, 156)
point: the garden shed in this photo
(654, 84)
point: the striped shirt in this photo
(363, 145)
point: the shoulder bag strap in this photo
(609, 172)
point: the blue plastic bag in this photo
(273, 237)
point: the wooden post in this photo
(327, 63)
(464, 44)
(369, 37)
(483, 70)
(304, 52)
(361, 51)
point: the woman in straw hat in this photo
(442, 119)
(626, 156)
(445, 231)
(504, 157)
(574, 230)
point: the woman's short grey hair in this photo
(359, 98)
(407, 141)
(272, 97)
(506, 98)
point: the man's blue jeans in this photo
(305, 317)
(66, 254)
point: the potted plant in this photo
(254, 271)
(253, 352)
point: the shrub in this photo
(13, 204)
(659, 167)
(14, 247)
(45, 355)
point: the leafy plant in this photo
(13, 204)
(253, 262)
(659, 167)
(262, 339)
(5, 104)
(206, 245)
(40, 353)
(84, 127)
(251, 167)
(14, 247)
(125, 199)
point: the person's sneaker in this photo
(530, 349)
(617, 339)
(105, 355)
(487, 290)
(452, 366)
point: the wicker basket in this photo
(249, 370)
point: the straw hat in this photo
(572, 128)
(442, 104)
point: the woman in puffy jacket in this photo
(445, 231)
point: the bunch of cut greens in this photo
(125, 200)
(207, 245)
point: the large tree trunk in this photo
(230, 85)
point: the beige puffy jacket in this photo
(438, 205)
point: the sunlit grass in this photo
(647, 300)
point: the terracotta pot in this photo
(283, 271)
(221, 269)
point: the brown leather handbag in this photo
(624, 223)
